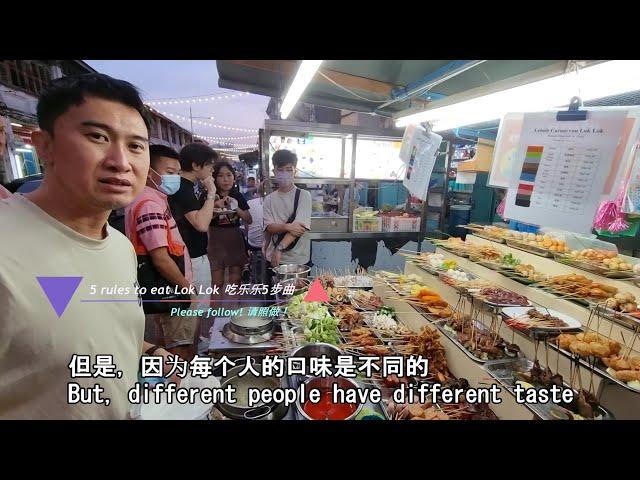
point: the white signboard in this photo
(561, 168)
(419, 151)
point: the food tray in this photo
(378, 332)
(222, 211)
(541, 252)
(498, 305)
(503, 371)
(488, 237)
(498, 267)
(459, 253)
(597, 269)
(359, 306)
(580, 301)
(427, 268)
(365, 285)
(454, 338)
(597, 369)
(510, 272)
(511, 313)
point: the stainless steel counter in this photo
(417, 236)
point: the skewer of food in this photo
(367, 300)
(501, 297)
(579, 286)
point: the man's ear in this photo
(43, 141)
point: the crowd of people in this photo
(186, 223)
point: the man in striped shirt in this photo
(156, 230)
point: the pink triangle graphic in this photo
(59, 291)
(316, 293)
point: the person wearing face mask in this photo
(287, 215)
(156, 234)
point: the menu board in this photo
(419, 151)
(561, 168)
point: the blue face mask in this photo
(169, 184)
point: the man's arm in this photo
(168, 267)
(200, 219)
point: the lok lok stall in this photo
(355, 178)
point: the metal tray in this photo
(428, 269)
(503, 370)
(541, 252)
(596, 369)
(490, 238)
(580, 301)
(490, 265)
(381, 335)
(455, 252)
(454, 338)
(598, 270)
(498, 305)
(513, 275)
(615, 316)
(356, 287)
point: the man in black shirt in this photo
(192, 207)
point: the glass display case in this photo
(351, 173)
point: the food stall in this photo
(354, 176)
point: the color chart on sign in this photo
(528, 175)
(560, 169)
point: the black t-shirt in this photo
(230, 219)
(188, 198)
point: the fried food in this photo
(618, 363)
(581, 348)
(615, 347)
(598, 349)
(627, 375)
(377, 350)
(565, 340)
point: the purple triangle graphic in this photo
(59, 291)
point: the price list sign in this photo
(561, 168)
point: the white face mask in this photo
(284, 179)
(169, 184)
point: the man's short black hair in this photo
(284, 157)
(62, 93)
(197, 153)
(158, 151)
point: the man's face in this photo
(203, 172)
(251, 182)
(289, 168)
(163, 166)
(98, 154)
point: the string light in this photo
(204, 137)
(233, 149)
(198, 122)
(201, 99)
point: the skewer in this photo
(624, 342)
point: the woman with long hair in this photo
(227, 248)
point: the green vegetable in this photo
(390, 311)
(321, 328)
(319, 325)
(510, 260)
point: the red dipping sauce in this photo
(325, 409)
